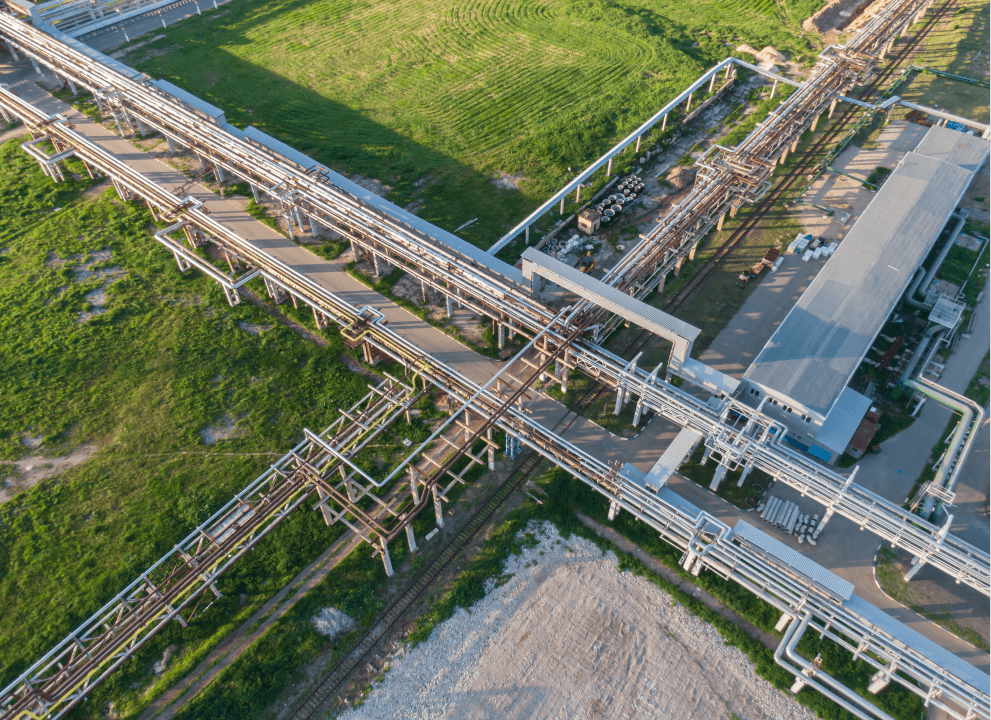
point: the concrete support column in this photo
(717, 478)
(386, 560)
(526, 235)
(423, 290)
(314, 228)
(6, 117)
(639, 409)
(172, 145)
(917, 564)
(688, 103)
(204, 165)
(664, 123)
(815, 123)
(502, 336)
(141, 127)
(562, 206)
(438, 507)
(719, 223)
(660, 285)
(218, 173)
(410, 537)
(491, 449)
(34, 63)
(378, 263)
(254, 193)
(677, 266)
(832, 108)
(691, 253)
(774, 89)
(620, 399)
(784, 156)
(732, 211)
(450, 306)
(712, 82)
(794, 146)
(638, 143)
(614, 509)
(609, 168)
(13, 52)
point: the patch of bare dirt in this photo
(508, 182)
(29, 471)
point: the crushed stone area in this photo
(569, 636)
(331, 622)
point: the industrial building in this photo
(801, 375)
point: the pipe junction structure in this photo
(324, 467)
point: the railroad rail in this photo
(739, 434)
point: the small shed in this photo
(589, 220)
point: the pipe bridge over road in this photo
(324, 464)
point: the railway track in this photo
(801, 167)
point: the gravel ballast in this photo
(569, 636)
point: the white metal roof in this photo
(954, 147)
(700, 374)
(290, 153)
(815, 572)
(815, 351)
(211, 111)
(671, 459)
(843, 420)
(680, 333)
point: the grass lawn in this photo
(958, 44)
(137, 383)
(433, 97)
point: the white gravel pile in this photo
(570, 637)
(331, 622)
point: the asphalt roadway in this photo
(846, 551)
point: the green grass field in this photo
(435, 96)
(959, 44)
(137, 383)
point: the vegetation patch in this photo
(435, 99)
(166, 359)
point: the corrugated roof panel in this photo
(612, 299)
(191, 100)
(817, 348)
(702, 375)
(292, 154)
(843, 420)
(232, 130)
(671, 459)
(815, 572)
(927, 648)
(954, 147)
(675, 500)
